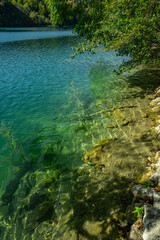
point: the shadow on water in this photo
(83, 204)
(147, 79)
(94, 207)
(93, 200)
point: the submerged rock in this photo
(104, 142)
(93, 228)
(95, 155)
(33, 203)
(112, 125)
(122, 116)
(13, 184)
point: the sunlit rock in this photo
(151, 223)
(136, 231)
(156, 109)
(93, 228)
(142, 193)
(155, 102)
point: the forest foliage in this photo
(130, 27)
(36, 10)
(38, 6)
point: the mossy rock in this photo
(125, 106)
(127, 121)
(112, 125)
(103, 142)
(118, 114)
(95, 154)
(43, 231)
(152, 115)
(143, 177)
(80, 127)
(156, 109)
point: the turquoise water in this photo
(54, 109)
(39, 80)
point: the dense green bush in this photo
(130, 27)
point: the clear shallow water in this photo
(36, 76)
(57, 108)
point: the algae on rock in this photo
(95, 154)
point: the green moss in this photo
(94, 155)
(118, 115)
(112, 125)
(104, 142)
(143, 177)
(56, 174)
(125, 106)
(152, 115)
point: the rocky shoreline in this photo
(149, 228)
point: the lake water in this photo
(54, 109)
(39, 82)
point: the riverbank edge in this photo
(147, 197)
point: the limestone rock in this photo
(151, 223)
(143, 193)
(157, 92)
(156, 177)
(135, 232)
(157, 129)
(157, 120)
(143, 177)
(156, 201)
(155, 102)
(95, 155)
(156, 109)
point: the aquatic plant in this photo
(16, 151)
(80, 105)
(6, 131)
(138, 211)
(90, 120)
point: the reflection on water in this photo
(19, 34)
(54, 110)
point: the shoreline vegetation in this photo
(147, 192)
